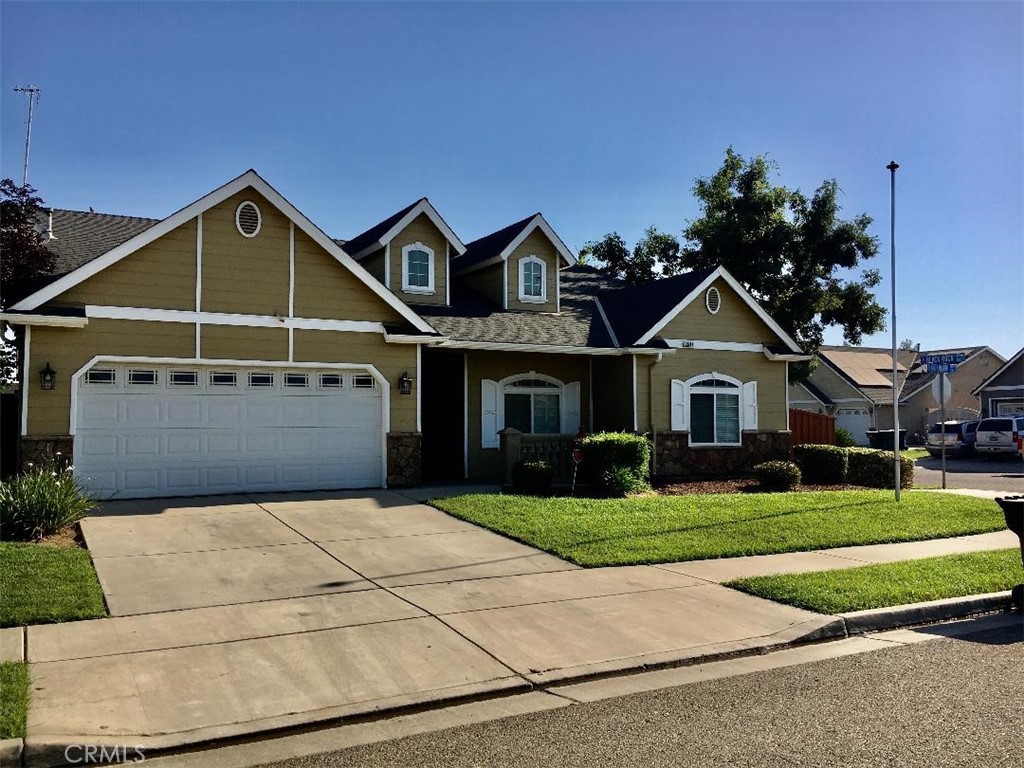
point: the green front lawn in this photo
(13, 699)
(659, 529)
(914, 453)
(42, 584)
(880, 586)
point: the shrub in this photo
(533, 477)
(822, 464)
(617, 462)
(41, 501)
(778, 475)
(844, 438)
(873, 468)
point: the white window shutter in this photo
(488, 414)
(750, 405)
(679, 409)
(571, 408)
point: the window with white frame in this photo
(417, 268)
(532, 403)
(714, 408)
(533, 284)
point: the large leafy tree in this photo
(651, 256)
(23, 256)
(793, 253)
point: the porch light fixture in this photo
(404, 384)
(47, 377)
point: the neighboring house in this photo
(919, 402)
(233, 346)
(806, 396)
(1002, 393)
(858, 382)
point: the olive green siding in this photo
(368, 348)
(421, 230)
(734, 321)
(686, 363)
(233, 342)
(326, 289)
(374, 264)
(613, 394)
(485, 463)
(161, 275)
(241, 274)
(68, 349)
(488, 282)
(535, 244)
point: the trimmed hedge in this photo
(822, 464)
(533, 477)
(616, 462)
(777, 475)
(873, 469)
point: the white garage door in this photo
(145, 430)
(857, 421)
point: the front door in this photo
(444, 414)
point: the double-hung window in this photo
(417, 269)
(533, 280)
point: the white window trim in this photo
(691, 388)
(417, 246)
(505, 387)
(543, 298)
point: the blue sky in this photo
(598, 114)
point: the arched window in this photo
(533, 282)
(417, 268)
(714, 408)
(532, 402)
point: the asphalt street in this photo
(945, 702)
(974, 472)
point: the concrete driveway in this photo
(239, 614)
(982, 473)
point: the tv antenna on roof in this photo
(33, 97)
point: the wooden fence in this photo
(813, 428)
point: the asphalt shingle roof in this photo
(634, 310)
(374, 233)
(490, 245)
(475, 318)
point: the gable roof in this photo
(999, 372)
(920, 378)
(498, 246)
(638, 313)
(474, 319)
(381, 233)
(156, 230)
(815, 392)
(861, 368)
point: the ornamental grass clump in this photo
(41, 501)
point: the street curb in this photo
(878, 619)
(10, 751)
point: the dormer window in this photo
(533, 284)
(417, 269)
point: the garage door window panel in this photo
(223, 379)
(102, 377)
(183, 378)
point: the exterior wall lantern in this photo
(47, 377)
(404, 384)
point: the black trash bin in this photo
(1013, 512)
(882, 439)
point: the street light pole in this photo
(892, 166)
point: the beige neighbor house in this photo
(233, 346)
(854, 384)
(1002, 393)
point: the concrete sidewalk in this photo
(248, 614)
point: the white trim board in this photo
(248, 179)
(999, 371)
(537, 222)
(225, 318)
(718, 346)
(424, 207)
(24, 379)
(541, 348)
(721, 272)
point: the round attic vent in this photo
(713, 300)
(248, 219)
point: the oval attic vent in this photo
(248, 219)
(713, 299)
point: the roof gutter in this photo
(787, 357)
(54, 321)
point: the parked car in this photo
(1000, 435)
(959, 437)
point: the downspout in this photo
(650, 415)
